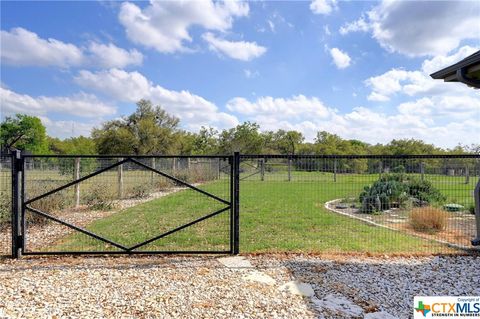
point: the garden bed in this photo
(460, 228)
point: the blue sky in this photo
(358, 69)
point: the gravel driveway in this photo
(242, 287)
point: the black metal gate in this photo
(221, 190)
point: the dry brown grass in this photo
(428, 219)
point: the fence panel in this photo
(352, 204)
(131, 204)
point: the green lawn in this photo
(276, 215)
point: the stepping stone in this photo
(339, 304)
(260, 277)
(298, 288)
(235, 262)
(379, 315)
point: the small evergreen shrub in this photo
(398, 190)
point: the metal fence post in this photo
(236, 202)
(17, 167)
(476, 195)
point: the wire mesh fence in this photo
(124, 204)
(5, 204)
(351, 204)
(312, 204)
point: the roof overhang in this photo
(466, 71)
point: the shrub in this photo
(140, 191)
(424, 191)
(398, 190)
(383, 194)
(50, 204)
(100, 197)
(428, 219)
(5, 207)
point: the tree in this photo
(73, 145)
(24, 132)
(205, 141)
(287, 142)
(149, 130)
(244, 138)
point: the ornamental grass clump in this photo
(428, 219)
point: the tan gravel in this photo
(203, 287)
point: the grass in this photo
(276, 216)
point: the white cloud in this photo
(444, 121)
(81, 104)
(418, 28)
(239, 50)
(64, 129)
(323, 6)
(193, 110)
(441, 61)
(111, 56)
(340, 58)
(164, 25)
(358, 25)
(296, 107)
(21, 47)
(411, 83)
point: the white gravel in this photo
(203, 287)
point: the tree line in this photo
(150, 130)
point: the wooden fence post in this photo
(120, 180)
(289, 169)
(151, 172)
(262, 169)
(422, 171)
(380, 169)
(335, 170)
(174, 165)
(467, 175)
(76, 175)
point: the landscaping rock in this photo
(235, 262)
(298, 288)
(260, 277)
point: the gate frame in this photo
(20, 205)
